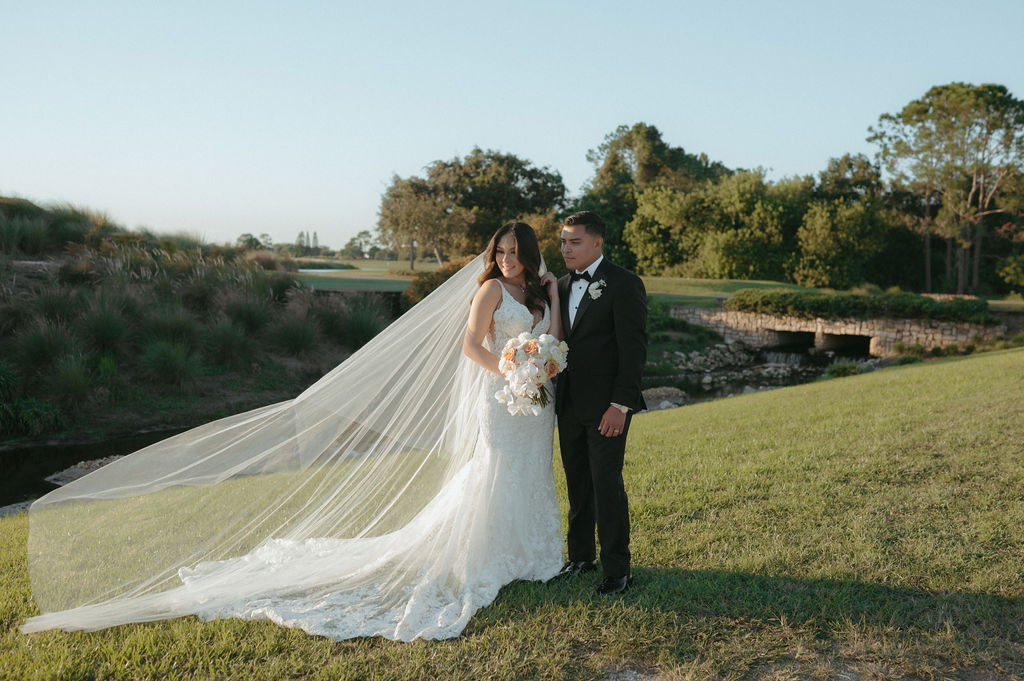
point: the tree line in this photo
(938, 208)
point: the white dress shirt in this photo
(578, 288)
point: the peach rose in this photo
(551, 367)
(531, 347)
(509, 354)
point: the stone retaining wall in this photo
(764, 330)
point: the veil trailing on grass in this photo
(360, 492)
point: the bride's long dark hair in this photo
(528, 252)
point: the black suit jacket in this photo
(607, 345)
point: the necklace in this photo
(521, 287)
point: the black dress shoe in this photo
(576, 567)
(614, 585)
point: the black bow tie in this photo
(576, 276)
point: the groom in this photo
(604, 315)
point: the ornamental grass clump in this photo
(173, 324)
(69, 381)
(41, 344)
(294, 336)
(226, 344)
(103, 329)
(10, 380)
(61, 304)
(250, 313)
(366, 318)
(168, 363)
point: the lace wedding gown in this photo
(488, 518)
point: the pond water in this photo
(23, 469)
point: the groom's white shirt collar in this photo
(593, 266)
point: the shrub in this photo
(14, 315)
(41, 344)
(30, 416)
(10, 380)
(917, 350)
(69, 382)
(175, 325)
(103, 330)
(10, 234)
(294, 336)
(351, 322)
(366, 318)
(841, 369)
(168, 363)
(901, 305)
(252, 315)
(424, 283)
(197, 292)
(907, 359)
(106, 369)
(266, 260)
(71, 225)
(951, 350)
(227, 344)
(275, 285)
(62, 304)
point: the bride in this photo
(394, 497)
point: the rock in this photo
(79, 470)
(664, 395)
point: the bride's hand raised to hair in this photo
(549, 282)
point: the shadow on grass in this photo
(823, 606)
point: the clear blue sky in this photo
(221, 117)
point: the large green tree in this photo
(414, 213)
(459, 204)
(961, 143)
(741, 227)
(630, 161)
(492, 188)
(845, 228)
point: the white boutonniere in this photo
(596, 288)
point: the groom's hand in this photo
(612, 423)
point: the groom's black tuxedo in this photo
(607, 351)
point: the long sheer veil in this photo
(355, 466)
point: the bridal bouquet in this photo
(527, 362)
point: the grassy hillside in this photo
(870, 527)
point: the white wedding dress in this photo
(362, 534)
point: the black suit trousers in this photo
(597, 495)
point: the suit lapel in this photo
(563, 295)
(587, 298)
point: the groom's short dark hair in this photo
(590, 220)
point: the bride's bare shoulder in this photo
(489, 293)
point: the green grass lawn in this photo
(347, 281)
(369, 275)
(703, 292)
(867, 527)
(1006, 305)
(381, 275)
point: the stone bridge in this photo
(859, 336)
